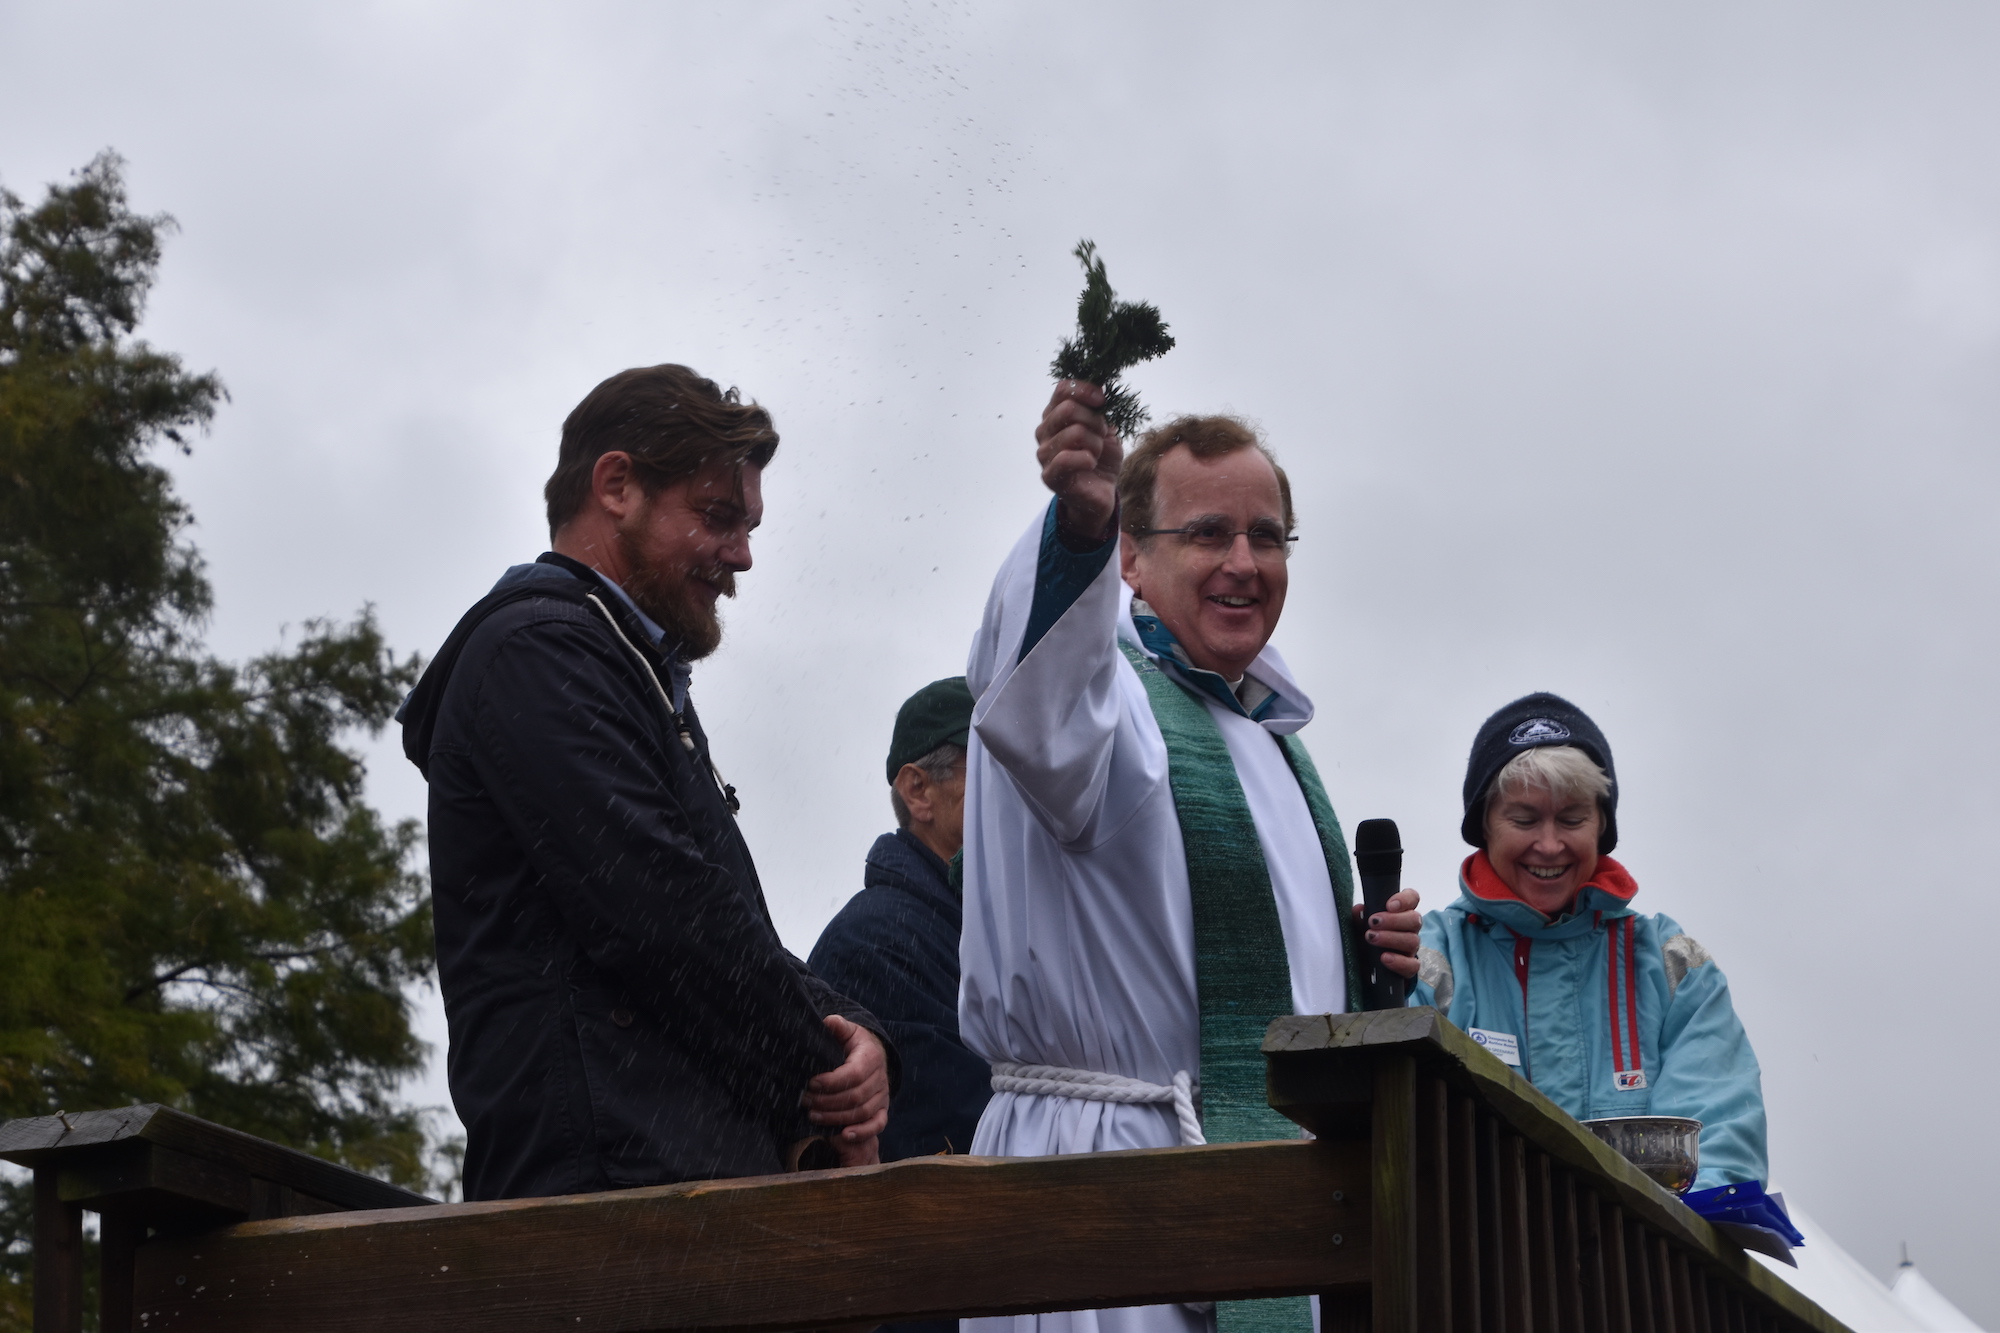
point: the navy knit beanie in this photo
(1525, 724)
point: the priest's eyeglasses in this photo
(1267, 540)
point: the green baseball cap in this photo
(938, 714)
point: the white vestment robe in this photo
(1078, 943)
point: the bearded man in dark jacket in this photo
(621, 1010)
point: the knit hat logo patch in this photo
(1538, 731)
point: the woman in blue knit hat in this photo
(1543, 960)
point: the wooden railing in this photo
(1441, 1192)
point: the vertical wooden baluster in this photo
(1705, 1301)
(1617, 1284)
(1569, 1262)
(1463, 1171)
(1645, 1294)
(1663, 1285)
(1492, 1254)
(1591, 1243)
(1541, 1246)
(1516, 1232)
(119, 1233)
(58, 1258)
(1394, 1150)
(1698, 1298)
(1677, 1295)
(1434, 1281)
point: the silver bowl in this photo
(1667, 1148)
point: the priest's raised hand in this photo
(1080, 456)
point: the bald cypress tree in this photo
(197, 906)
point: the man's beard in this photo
(673, 597)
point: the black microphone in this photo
(1378, 855)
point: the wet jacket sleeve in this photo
(1709, 1072)
(608, 814)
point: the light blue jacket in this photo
(1564, 991)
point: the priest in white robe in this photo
(1118, 973)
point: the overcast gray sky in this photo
(1643, 354)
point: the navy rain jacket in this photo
(621, 1010)
(894, 947)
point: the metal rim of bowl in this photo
(1682, 1120)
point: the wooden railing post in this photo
(1462, 1173)
(1392, 1166)
(119, 1233)
(58, 1258)
(150, 1167)
(1433, 1205)
(1514, 1230)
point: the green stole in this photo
(1241, 972)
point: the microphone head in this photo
(1378, 847)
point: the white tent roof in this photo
(1834, 1280)
(1913, 1290)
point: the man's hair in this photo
(1204, 437)
(670, 420)
(936, 766)
(1565, 772)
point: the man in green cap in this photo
(894, 947)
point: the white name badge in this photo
(1503, 1044)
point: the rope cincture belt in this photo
(1090, 1086)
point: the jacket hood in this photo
(551, 575)
(1606, 896)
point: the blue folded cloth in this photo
(1746, 1214)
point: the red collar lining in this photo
(1481, 880)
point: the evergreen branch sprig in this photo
(1112, 336)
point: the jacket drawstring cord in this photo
(680, 723)
(1626, 1075)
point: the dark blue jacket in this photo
(621, 1010)
(894, 949)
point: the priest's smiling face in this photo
(1221, 602)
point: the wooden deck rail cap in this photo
(929, 1237)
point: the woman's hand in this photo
(1394, 930)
